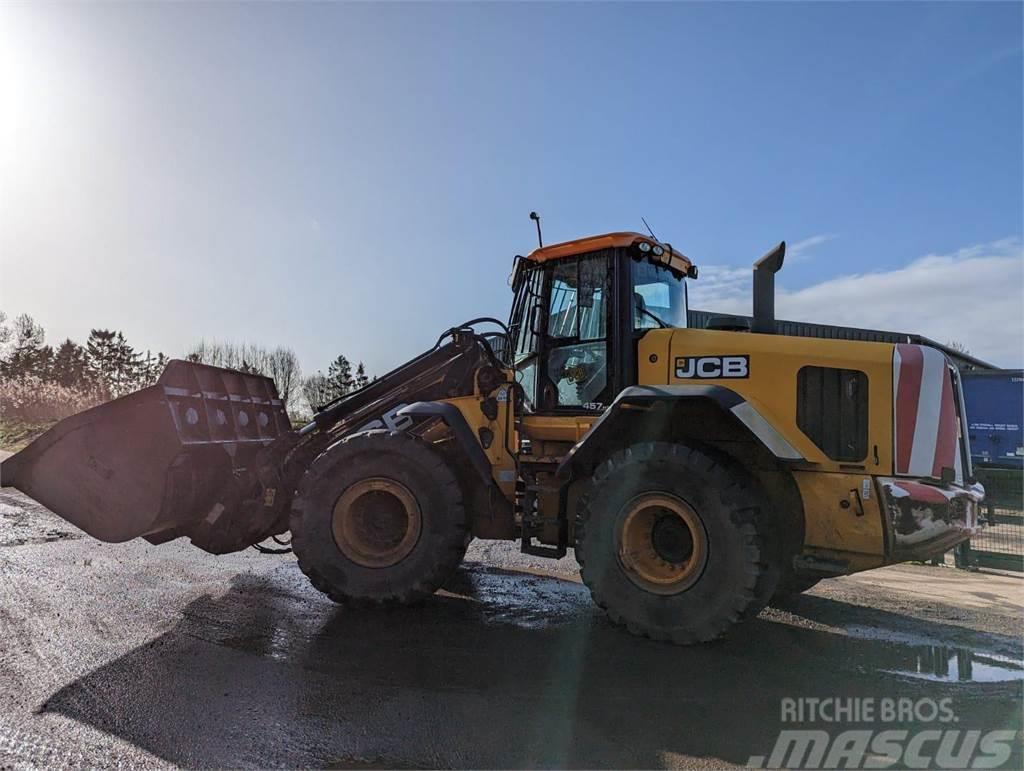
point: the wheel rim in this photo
(662, 544)
(377, 522)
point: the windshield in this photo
(659, 295)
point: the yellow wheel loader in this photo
(698, 473)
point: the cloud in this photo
(720, 286)
(726, 284)
(802, 250)
(974, 296)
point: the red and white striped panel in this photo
(925, 427)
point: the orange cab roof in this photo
(671, 257)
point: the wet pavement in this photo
(134, 655)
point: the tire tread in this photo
(376, 441)
(735, 492)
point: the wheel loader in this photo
(699, 474)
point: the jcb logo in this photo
(713, 366)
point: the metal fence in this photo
(1001, 543)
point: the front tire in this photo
(379, 519)
(669, 541)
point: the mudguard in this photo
(643, 398)
(463, 433)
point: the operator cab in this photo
(579, 309)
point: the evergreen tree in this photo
(362, 379)
(5, 330)
(339, 377)
(27, 354)
(150, 368)
(101, 355)
(159, 365)
(113, 363)
(70, 366)
(129, 367)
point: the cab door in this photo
(574, 375)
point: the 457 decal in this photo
(713, 367)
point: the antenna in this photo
(536, 218)
(649, 229)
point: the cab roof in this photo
(674, 259)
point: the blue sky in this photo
(355, 178)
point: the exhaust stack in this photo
(764, 289)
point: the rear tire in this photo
(669, 541)
(379, 519)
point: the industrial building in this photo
(700, 319)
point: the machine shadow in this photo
(502, 669)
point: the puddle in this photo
(525, 600)
(922, 658)
(284, 618)
(285, 623)
(961, 665)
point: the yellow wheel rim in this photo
(377, 522)
(662, 544)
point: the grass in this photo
(15, 434)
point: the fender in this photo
(461, 430)
(647, 398)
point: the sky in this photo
(356, 178)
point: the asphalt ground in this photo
(132, 655)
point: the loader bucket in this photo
(154, 462)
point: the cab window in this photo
(577, 348)
(659, 296)
(525, 340)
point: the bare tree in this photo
(956, 345)
(215, 353)
(283, 366)
(27, 332)
(279, 364)
(316, 391)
